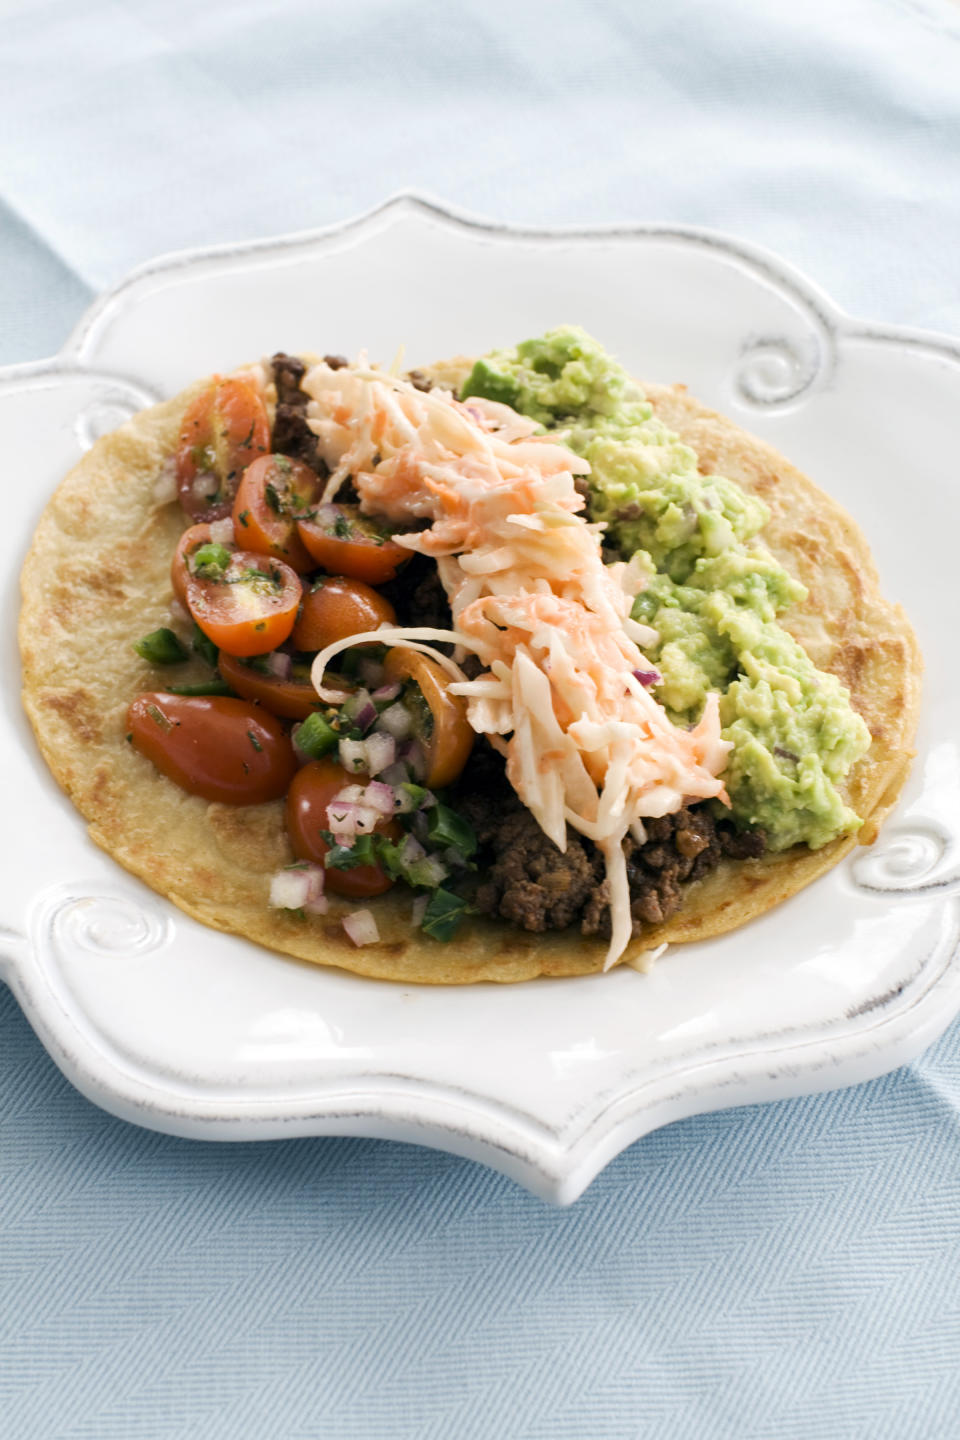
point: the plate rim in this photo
(482, 1130)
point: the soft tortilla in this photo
(97, 577)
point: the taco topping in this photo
(538, 563)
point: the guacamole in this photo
(714, 592)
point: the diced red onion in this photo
(395, 721)
(418, 910)
(352, 794)
(221, 532)
(412, 753)
(298, 888)
(380, 797)
(395, 774)
(278, 663)
(360, 709)
(205, 485)
(387, 692)
(648, 677)
(381, 752)
(319, 906)
(179, 612)
(353, 755)
(361, 927)
(347, 818)
(327, 514)
(411, 850)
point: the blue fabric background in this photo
(782, 1272)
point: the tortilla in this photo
(97, 577)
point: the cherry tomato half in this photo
(439, 718)
(337, 607)
(345, 542)
(212, 746)
(310, 793)
(294, 698)
(189, 542)
(273, 492)
(249, 606)
(223, 431)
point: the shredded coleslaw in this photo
(561, 695)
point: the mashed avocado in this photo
(714, 593)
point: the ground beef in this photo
(417, 594)
(531, 883)
(291, 434)
(528, 881)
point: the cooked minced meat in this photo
(528, 881)
(291, 434)
(417, 594)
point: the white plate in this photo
(196, 1033)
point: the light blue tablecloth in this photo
(781, 1273)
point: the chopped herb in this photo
(129, 738)
(342, 528)
(210, 561)
(203, 687)
(204, 646)
(273, 498)
(446, 828)
(415, 703)
(284, 464)
(160, 647)
(443, 914)
(247, 440)
(244, 517)
(158, 718)
(316, 737)
(318, 584)
(254, 742)
(260, 625)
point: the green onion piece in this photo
(204, 687)
(161, 647)
(316, 737)
(348, 857)
(446, 828)
(210, 561)
(443, 914)
(204, 646)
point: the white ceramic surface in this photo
(196, 1033)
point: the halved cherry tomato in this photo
(190, 541)
(335, 608)
(345, 542)
(294, 698)
(224, 430)
(273, 492)
(249, 606)
(212, 746)
(439, 718)
(310, 793)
